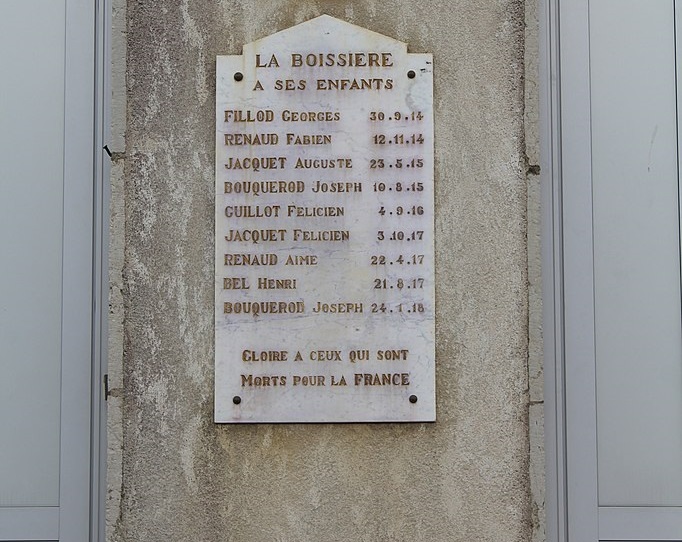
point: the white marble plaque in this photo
(324, 277)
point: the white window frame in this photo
(568, 290)
(79, 516)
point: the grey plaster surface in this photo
(535, 342)
(116, 261)
(463, 478)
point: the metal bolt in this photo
(238, 76)
(411, 74)
(413, 399)
(236, 399)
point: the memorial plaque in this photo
(324, 277)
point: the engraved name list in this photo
(324, 271)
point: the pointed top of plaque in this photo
(335, 33)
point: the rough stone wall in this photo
(183, 478)
(536, 375)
